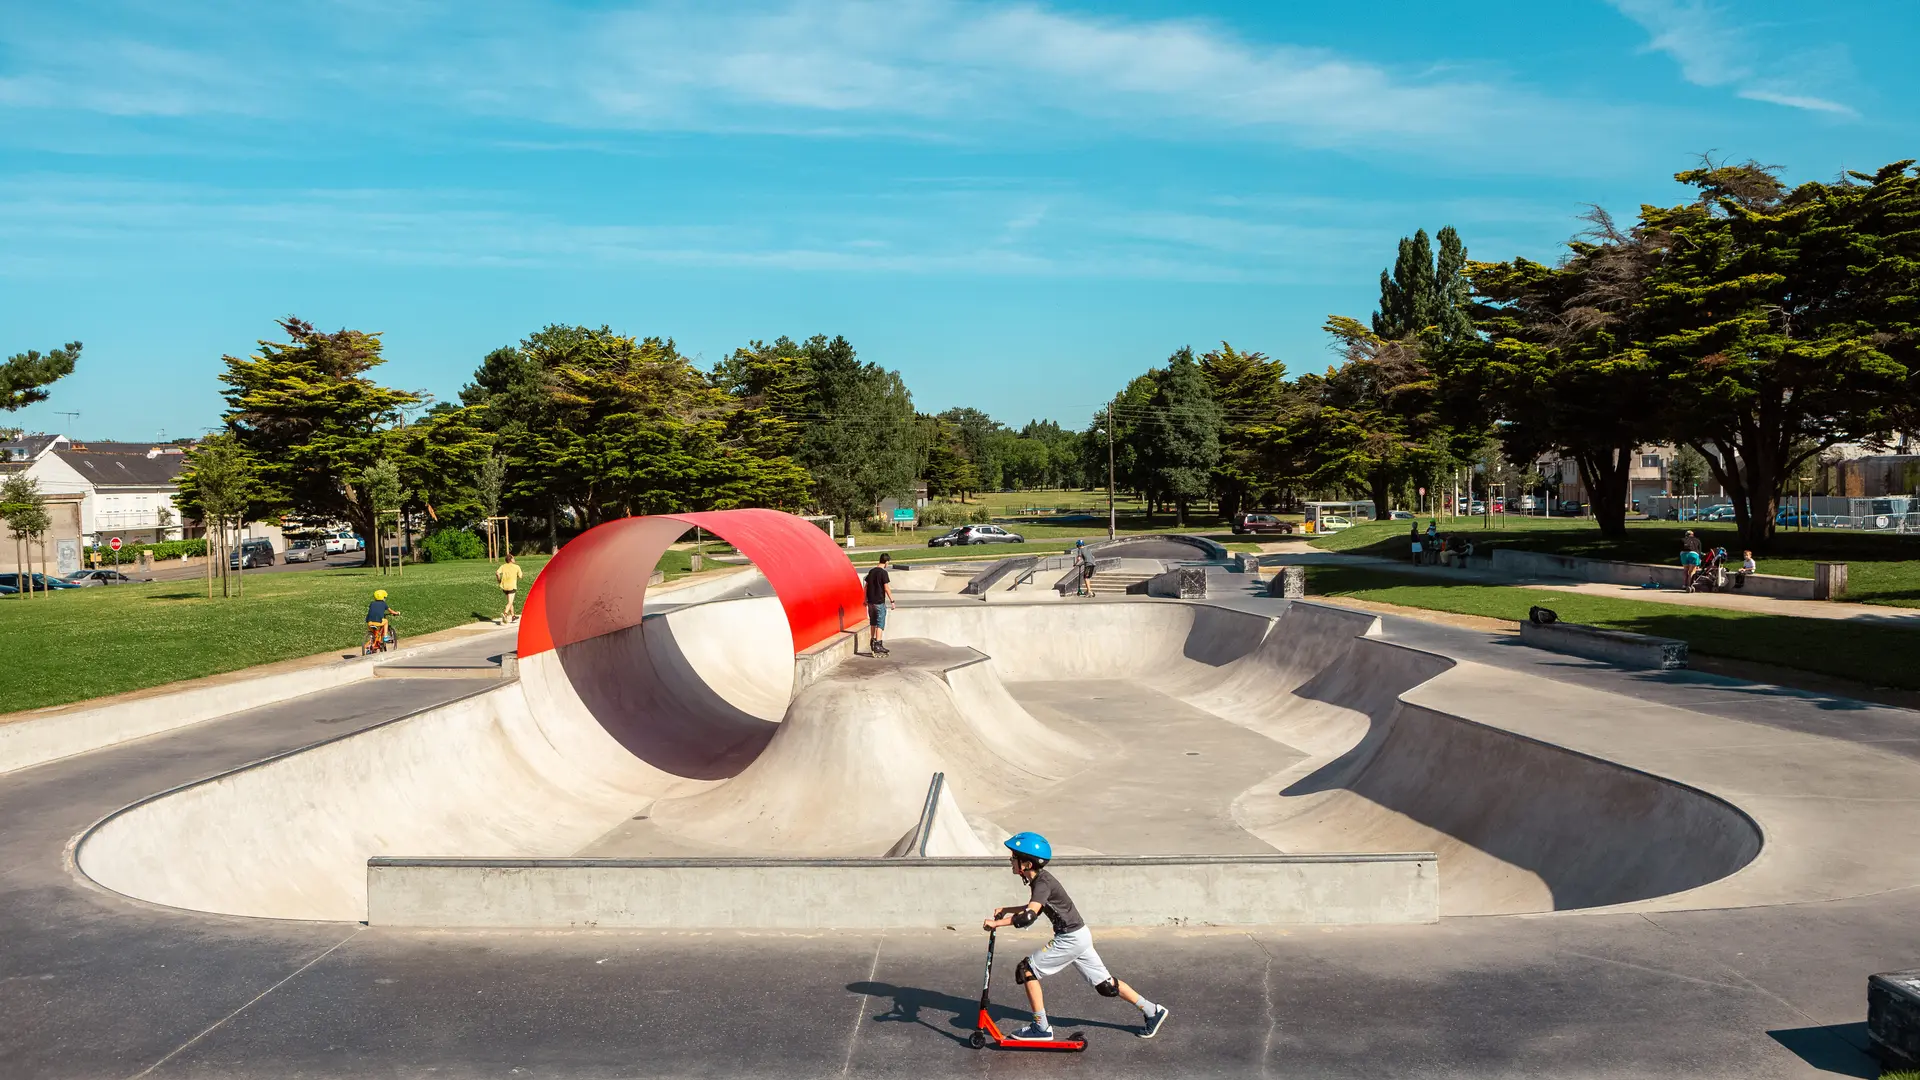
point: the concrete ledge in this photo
(1175, 890)
(824, 656)
(1893, 1018)
(1613, 646)
(1541, 564)
(1181, 583)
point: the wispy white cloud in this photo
(1715, 49)
(920, 69)
(69, 223)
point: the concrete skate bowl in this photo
(1172, 547)
(697, 734)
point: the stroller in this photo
(1711, 574)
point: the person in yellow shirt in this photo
(508, 575)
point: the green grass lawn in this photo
(83, 643)
(1881, 568)
(1875, 654)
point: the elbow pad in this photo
(1024, 917)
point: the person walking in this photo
(879, 599)
(508, 575)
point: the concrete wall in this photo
(1235, 890)
(1610, 646)
(1541, 564)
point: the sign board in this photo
(114, 543)
(904, 513)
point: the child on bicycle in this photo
(1071, 945)
(377, 613)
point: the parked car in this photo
(250, 554)
(1526, 504)
(1569, 507)
(8, 590)
(1333, 523)
(1476, 507)
(1798, 516)
(40, 581)
(976, 534)
(303, 551)
(1260, 523)
(1400, 515)
(1718, 512)
(342, 542)
(85, 578)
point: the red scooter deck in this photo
(988, 1032)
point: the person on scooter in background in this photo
(377, 613)
(1071, 944)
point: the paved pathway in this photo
(1301, 553)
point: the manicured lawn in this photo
(1881, 568)
(1876, 654)
(73, 645)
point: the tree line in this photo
(1754, 324)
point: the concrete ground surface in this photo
(96, 984)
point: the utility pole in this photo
(1110, 514)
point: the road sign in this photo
(904, 513)
(114, 543)
(1423, 493)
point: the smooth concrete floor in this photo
(96, 985)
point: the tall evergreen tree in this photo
(1247, 386)
(1408, 302)
(307, 413)
(25, 376)
(1180, 433)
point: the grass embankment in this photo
(1875, 653)
(1881, 568)
(77, 644)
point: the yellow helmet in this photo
(379, 594)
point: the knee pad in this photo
(1110, 988)
(1023, 973)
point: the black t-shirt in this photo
(1055, 904)
(1691, 543)
(877, 579)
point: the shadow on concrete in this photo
(1839, 1049)
(956, 1015)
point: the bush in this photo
(951, 514)
(447, 545)
(166, 549)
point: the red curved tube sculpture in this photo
(598, 582)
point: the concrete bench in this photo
(1529, 564)
(1612, 646)
(1893, 1018)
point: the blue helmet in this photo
(1079, 543)
(1031, 844)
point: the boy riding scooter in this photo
(1072, 942)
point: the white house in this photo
(126, 489)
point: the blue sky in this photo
(1017, 205)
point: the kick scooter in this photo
(989, 1032)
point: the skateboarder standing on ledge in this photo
(879, 599)
(1071, 945)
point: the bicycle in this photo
(380, 638)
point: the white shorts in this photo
(1074, 947)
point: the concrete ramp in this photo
(848, 768)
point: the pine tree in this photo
(1180, 433)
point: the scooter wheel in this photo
(978, 1040)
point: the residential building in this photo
(126, 489)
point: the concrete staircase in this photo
(1118, 582)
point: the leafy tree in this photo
(25, 376)
(981, 439)
(313, 421)
(1115, 437)
(861, 444)
(1378, 424)
(24, 509)
(1564, 369)
(1179, 433)
(1687, 469)
(1248, 388)
(219, 484)
(1786, 321)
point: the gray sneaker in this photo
(1152, 1024)
(1033, 1033)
